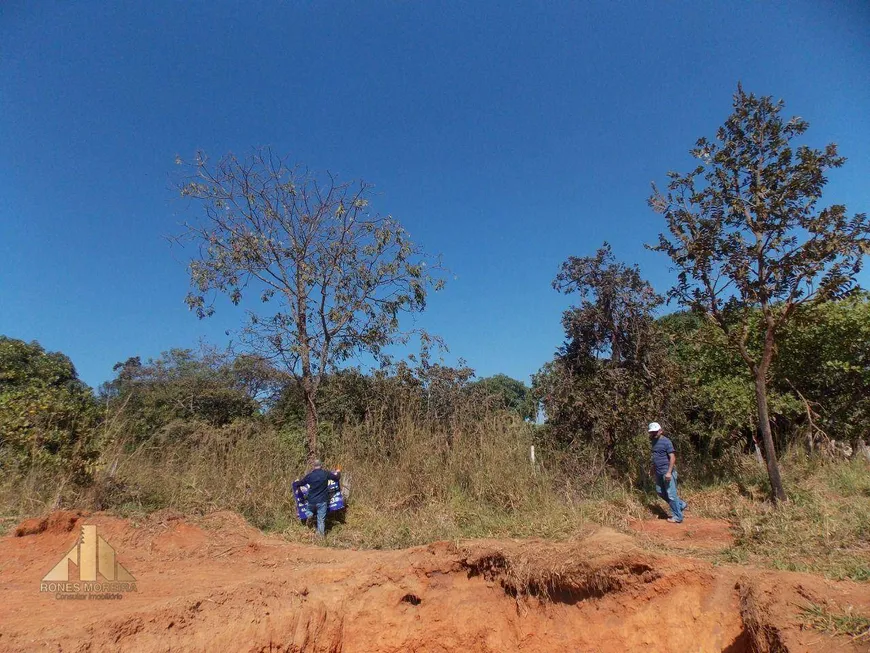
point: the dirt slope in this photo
(220, 585)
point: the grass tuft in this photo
(837, 621)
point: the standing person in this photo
(664, 461)
(317, 481)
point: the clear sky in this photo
(505, 136)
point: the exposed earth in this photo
(217, 584)
(694, 533)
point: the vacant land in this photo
(216, 583)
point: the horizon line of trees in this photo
(673, 368)
(769, 344)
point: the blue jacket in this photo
(317, 481)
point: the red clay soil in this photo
(692, 533)
(216, 584)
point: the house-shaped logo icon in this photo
(91, 554)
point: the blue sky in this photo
(505, 136)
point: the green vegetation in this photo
(749, 243)
(838, 621)
(48, 418)
(430, 452)
(169, 397)
(824, 528)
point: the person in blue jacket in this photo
(664, 462)
(317, 481)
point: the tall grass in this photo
(824, 527)
(410, 478)
(413, 479)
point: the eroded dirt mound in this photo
(216, 584)
(61, 521)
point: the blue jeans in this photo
(319, 509)
(668, 492)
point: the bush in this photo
(48, 417)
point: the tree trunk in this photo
(310, 423)
(777, 492)
(308, 382)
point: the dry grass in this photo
(411, 482)
(414, 481)
(837, 621)
(823, 528)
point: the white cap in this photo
(654, 427)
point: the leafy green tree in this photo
(719, 412)
(508, 393)
(181, 385)
(47, 415)
(824, 357)
(745, 233)
(344, 396)
(28, 364)
(337, 277)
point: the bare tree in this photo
(336, 277)
(746, 237)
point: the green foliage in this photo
(180, 387)
(822, 367)
(428, 459)
(825, 356)
(612, 375)
(47, 416)
(343, 397)
(719, 394)
(348, 396)
(508, 393)
(29, 365)
(746, 236)
(707, 399)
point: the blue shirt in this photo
(662, 447)
(317, 481)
